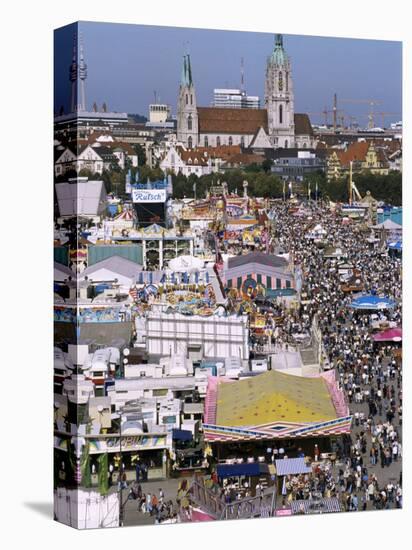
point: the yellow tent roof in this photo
(273, 397)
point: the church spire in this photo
(189, 71)
(186, 78)
(279, 41)
(184, 71)
(279, 56)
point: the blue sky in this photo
(127, 63)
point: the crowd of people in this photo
(154, 504)
(369, 373)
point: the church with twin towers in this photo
(272, 127)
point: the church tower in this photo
(187, 117)
(279, 99)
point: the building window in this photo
(268, 282)
(187, 99)
(206, 141)
(191, 99)
(286, 144)
(304, 145)
(218, 141)
(280, 114)
(287, 82)
(229, 283)
(230, 140)
(190, 142)
(259, 279)
(278, 283)
(189, 122)
(287, 284)
(242, 141)
(239, 282)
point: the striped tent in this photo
(291, 466)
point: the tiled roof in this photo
(243, 121)
(245, 158)
(192, 156)
(222, 152)
(355, 152)
(303, 125)
(231, 121)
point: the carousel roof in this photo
(273, 395)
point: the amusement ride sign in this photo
(149, 195)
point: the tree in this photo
(266, 165)
(117, 180)
(141, 154)
(106, 177)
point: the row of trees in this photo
(387, 188)
(261, 182)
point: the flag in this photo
(133, 293)
(309, 191)
(316, 190)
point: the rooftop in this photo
(273, 396)
(258, 258)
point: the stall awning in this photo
(182, 435)
(292, 466)
(311, 506)
(372, 302)
(244, 469)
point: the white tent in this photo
(389, 225)
(186, 264)
(81, 198)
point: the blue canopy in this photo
(372, 302)
(244, 469)
(397, 245)
(182, 435)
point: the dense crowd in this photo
(369, 373)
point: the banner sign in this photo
(129, 443)
(112, 444)
(149, 195)
(91, 315)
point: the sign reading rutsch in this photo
(149, 195)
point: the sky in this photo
(128, 63)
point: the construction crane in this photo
(385, 114)
(371, 103)
(323, 113)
